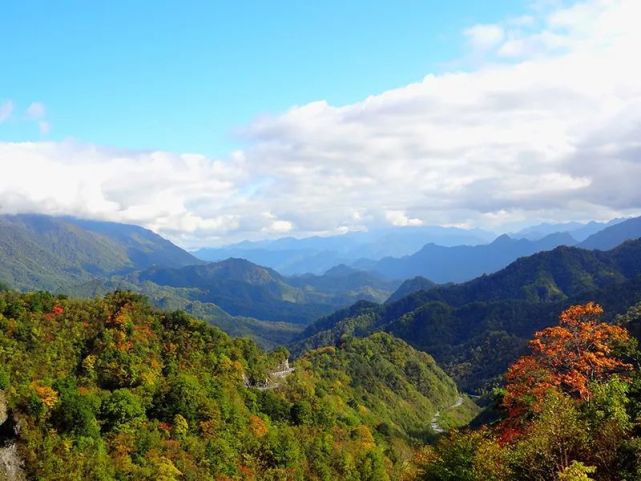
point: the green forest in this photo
(113, 389)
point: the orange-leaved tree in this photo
(566, 358)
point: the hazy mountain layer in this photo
(614, 235)
(579, 231)
(318, 254)
(461, 263)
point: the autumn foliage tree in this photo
(566, 358)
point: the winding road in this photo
(436, 427)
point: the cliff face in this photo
(10, 461)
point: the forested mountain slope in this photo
(411, 286)
(243, 288)
(144, 247)
(56, 253)
(111, 389)
(476, 329)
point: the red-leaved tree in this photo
(567, 358)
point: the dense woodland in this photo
(113, 389)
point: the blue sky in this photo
(214, 122)
(183, 76)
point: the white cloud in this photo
(484, 36)
(400, 218)
(279, 227)
(551, 134)
(6, 109)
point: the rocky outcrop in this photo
(4, 414)
(10, 462)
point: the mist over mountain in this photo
(316, 255)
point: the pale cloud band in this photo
(551, 134)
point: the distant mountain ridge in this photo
(461, 263)
(316, 255)
(457, 254)
(580, 231)
(614, 235)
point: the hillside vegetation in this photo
(569, 411)
(110, 389)
(57, 253)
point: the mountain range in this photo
(88, 258)
(316, 255)
(579, 231)
(443, 264)
(476, 329)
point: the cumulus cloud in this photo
(399, 218)
(547, 129)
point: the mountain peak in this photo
(502, 239)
